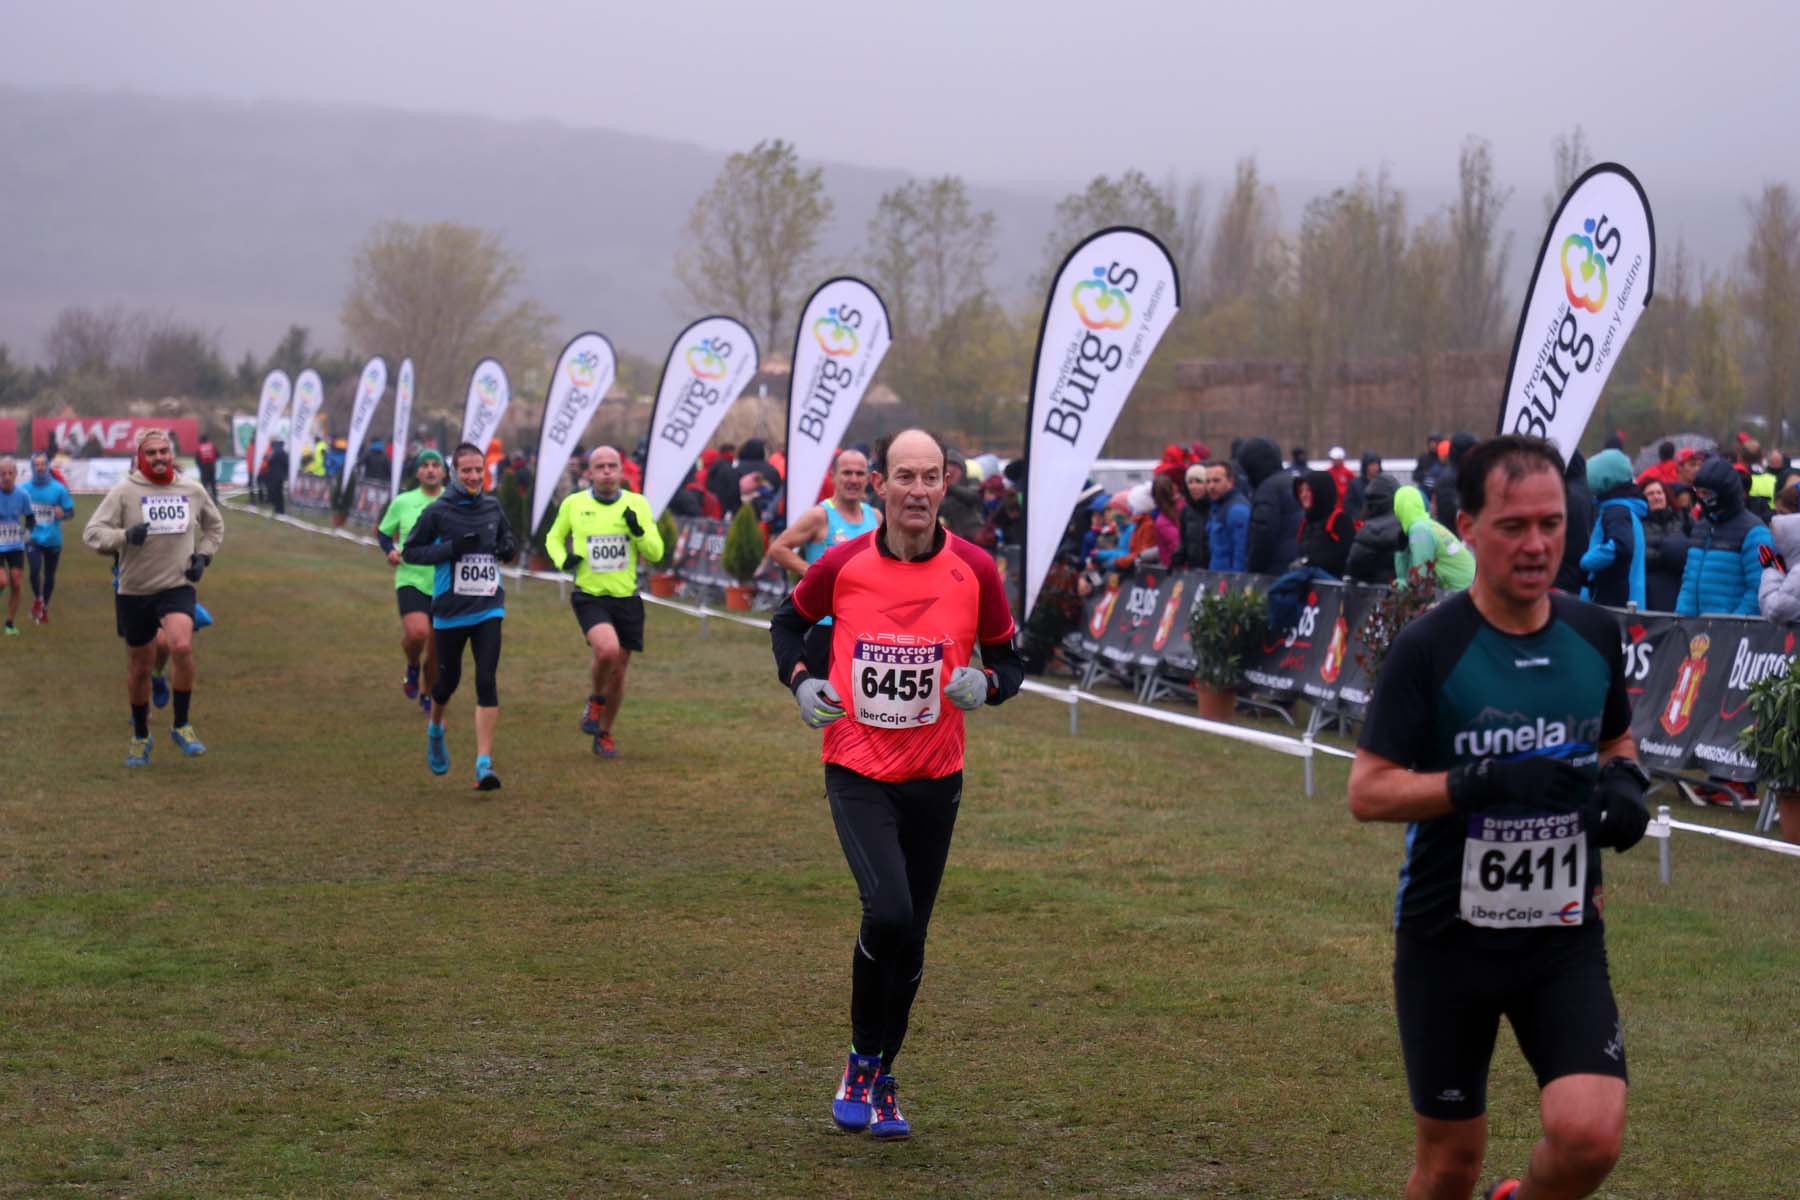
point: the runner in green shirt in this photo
(610, 528)
(413, 584)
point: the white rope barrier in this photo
(1303, 747)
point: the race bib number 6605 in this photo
(166, 514)
(896, 686)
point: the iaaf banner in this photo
(277, 389)
(403, 393)
(309, 395)
(115, 435)
(709, 366)
(843, 334)
(1111, 301)
(489, 393)
(369, 389)
(584, 371)
(1593, 279)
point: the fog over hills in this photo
(241, 216)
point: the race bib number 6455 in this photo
(896, 686)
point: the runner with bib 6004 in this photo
(910, 603)
(1500, 733)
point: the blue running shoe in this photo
(850, 1108)
(437, 755)
(159, 689)
(139, 754)
(188, 740)
(485, 779)
(889, 1125)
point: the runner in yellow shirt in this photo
(610, 528)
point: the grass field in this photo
(302, 966)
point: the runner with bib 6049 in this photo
(1500, 733)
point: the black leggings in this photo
(896, 837)
(484, 638)
(42, 561)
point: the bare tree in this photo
(1244, 257)
(443, 294)
(752, 239)
(931, 252)
(1129, 200)
(181, 360)
(1570, 155)
(93, 340)
(1478, 253)
(1772, 299)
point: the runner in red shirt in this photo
(910, 602)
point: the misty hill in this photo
(242, 216)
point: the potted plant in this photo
(1392, 613)
(1773, 740)
(742, 556)
(1225, 628)
(663, 580)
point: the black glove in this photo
(137, 533)
(1620, 797)
(30, 520)
(197, 564)
(631, 522)
(507, 550)
(468, 543)
(1540, 782)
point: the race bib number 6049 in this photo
(896, 686)
(1523, 872)
(475, 575)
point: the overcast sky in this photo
(1037, 92)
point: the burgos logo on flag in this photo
(370, 375)
(583, 369)
(707, 359)
(489, 387)
(835, 337)
(1584, 272)
(307, 386)
(1101, 305)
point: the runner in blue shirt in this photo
(15, 521)
(51, 505)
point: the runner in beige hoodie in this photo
(163, 531)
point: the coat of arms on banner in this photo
(1680, 705)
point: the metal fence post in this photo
(1074, 718)
(1662, 844)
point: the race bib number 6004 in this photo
(165, 514)
(606, 552)
(1524, 872)
(896, 686)
(475, 575)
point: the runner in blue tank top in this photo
(836, 520)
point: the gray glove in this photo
(968, 688)
(819, 702)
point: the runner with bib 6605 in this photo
(611, 528)
(910, 603)
(1500, 733)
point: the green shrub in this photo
(1773, 740)
(1226, 628)
(743, 552)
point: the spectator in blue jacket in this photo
(1724, 563)
(1228, 529)
(1614, 561)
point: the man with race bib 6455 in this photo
(910, 603)
(1500, 733)
(164, 530)
(611, 528)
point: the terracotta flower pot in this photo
(738, 595)
(663, 583)
(1216, 703)
(338, 519)
(540, 562)
(1788, 802)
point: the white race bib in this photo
(475, 575)
(46, 514)
(896, 687)
(1524, 872)
(606, 552)
(11, 532)
(166, 514)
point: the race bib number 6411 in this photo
(1524, 872)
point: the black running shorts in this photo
(13, 558)
(412, 600)
(624, 613)
(1450, 995)
(140, 617)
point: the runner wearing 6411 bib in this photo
(910, 603)
(465, 536)
(1500, 734)
(610, 528)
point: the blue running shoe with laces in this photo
(485, 779)
(188, 740)
(850, 1108)
(437, 754)
(159, 689)
(889, 1125)
(139, 753)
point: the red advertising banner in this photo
(116, 435)
(9, 436)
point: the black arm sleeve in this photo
(506, 546)
(787, 634)
(1008, 668)
(384, 541)
(422, 547)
